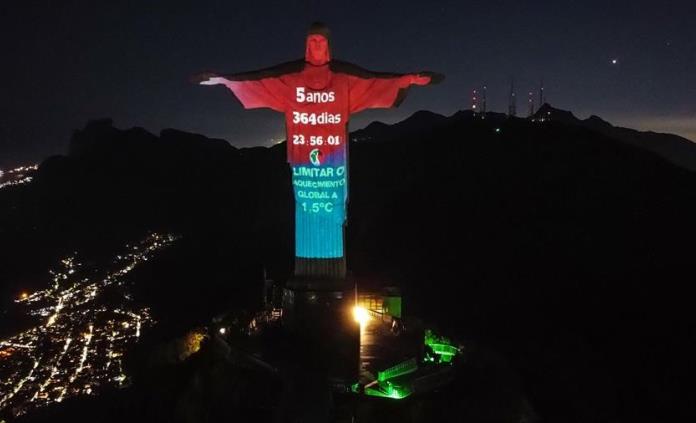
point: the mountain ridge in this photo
(674, 148)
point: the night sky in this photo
(64, 62)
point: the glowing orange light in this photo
(360, 315)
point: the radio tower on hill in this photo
(483, 103)
(530, 101)
(474, 102)
(542, 99)
(512, 105)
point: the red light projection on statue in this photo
(317, 96)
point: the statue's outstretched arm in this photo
(369, 90)
(255, 89)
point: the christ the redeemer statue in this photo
(317, 96)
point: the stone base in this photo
(321, 323)
(318, 268)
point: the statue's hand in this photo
(420, 79)
(428, 78)
(213, 81)
(207, 78)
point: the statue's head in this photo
(317, 51)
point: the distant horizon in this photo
(633, 66)
(684, 127)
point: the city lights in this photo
(85, 321)
(17, 176)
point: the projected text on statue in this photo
(317, 96)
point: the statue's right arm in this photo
(207, 78)
(261, 88)
(252, 93)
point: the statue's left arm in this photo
(371, 90)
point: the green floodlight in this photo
(388, 390)
(440, 346)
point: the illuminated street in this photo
(379, 347)
(369, 347)
(86, 321)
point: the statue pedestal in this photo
(318, 315)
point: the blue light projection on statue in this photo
(320, 206)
